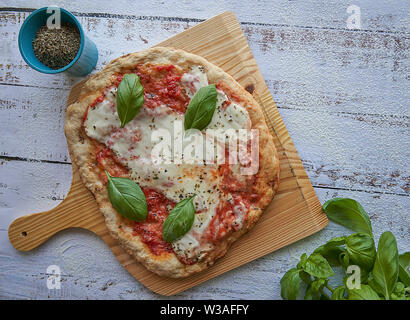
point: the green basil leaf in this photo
(339, 293)
(127, 198)
(201, 108)
(344, 259)
(386, 266)
(364, 293)
(348, 213)
(361, 251)
(305, 277)
(373, 285)
(364, 276)
(302, 262)
(130, 97)
(324, 296)
(290, 284)
(314, 290)
(404, 268)
(331, 250)
(399, 292)
(317, 266)
(331, 254)
(337, 241)
(303, 274)
(311, 293)
(179, 220)
(318, 284)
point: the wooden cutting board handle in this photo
(28, 232)
(76, 210)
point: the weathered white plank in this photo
(91, 271)
(367, 156)
(356, 73)
(340, 152)
(35, 118)
(390, 15)
(23, 182)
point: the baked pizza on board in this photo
(177, 155)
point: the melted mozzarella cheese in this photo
(135, 146)
(232, 116)
(194, 80)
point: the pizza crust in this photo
(82, 155)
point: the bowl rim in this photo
(51, 71)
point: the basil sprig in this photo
(130, 97)
(127, 198)
(315, 266)
(383, 274)
(179, 220)
(201, 108)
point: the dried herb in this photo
(56, 48)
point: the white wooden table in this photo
(343, 94)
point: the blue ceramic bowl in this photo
(86, 57)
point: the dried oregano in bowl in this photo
(56, 48)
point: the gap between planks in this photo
(319, 186)
(198, 20)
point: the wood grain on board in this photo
(294, 213)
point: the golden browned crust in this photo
(82, 154)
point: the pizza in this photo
(177, 155)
